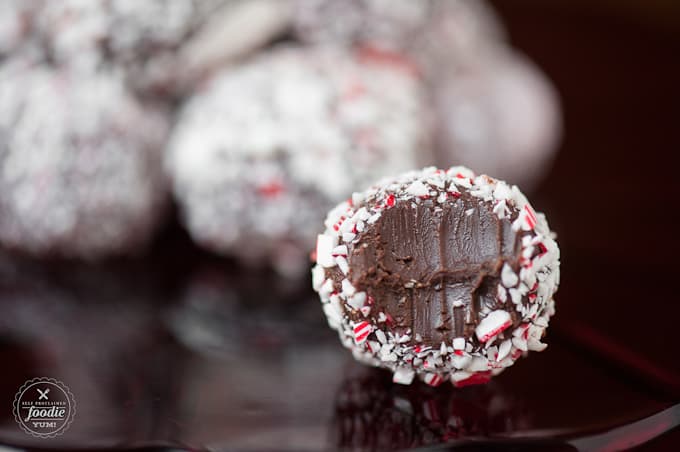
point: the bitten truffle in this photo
(438, 274)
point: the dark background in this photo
(613, 192)
(612, 196)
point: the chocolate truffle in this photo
(442, 275)
(266, 148)
(81, 164)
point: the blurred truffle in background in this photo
(80, 164)
(261, 153)
(150, 39)
(277, 110)
(496, 112)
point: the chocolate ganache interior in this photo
(434, 267)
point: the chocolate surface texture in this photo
(433, 271)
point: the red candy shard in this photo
(530, 216)
(476, 379)
(271, 189)
(361, 332)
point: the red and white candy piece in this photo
(493, 324)
(433, 379)
(403, 376)
(361, 332)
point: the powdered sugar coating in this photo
(80, 164)
(468, 360)
(261, 153)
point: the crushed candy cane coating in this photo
(497, 342)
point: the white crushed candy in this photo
(373, 218)
(347, 225)
(502, 192)
(501, 209)
(340, 250)
(502, 294)
(504, 349)
(357, 300)
(380, 334)
(417, 188)
(460, 376)
(492, 353)
(389, 357)
(533, 311)
(523, 289)
(463, 182)
(459, 343)
(442, 349)
(478, 364)
(365, 310)
(326, 289)
(515, 296)
(461, 362)
(347, 288)
(386, 348)
(403, 375)
(362, 214)
(536, 345)
(520, 344)
(333, 314)
(508, 276)
(324, 250)
(542, 322)
(318, 277)
(348, 236)
(342, 264)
